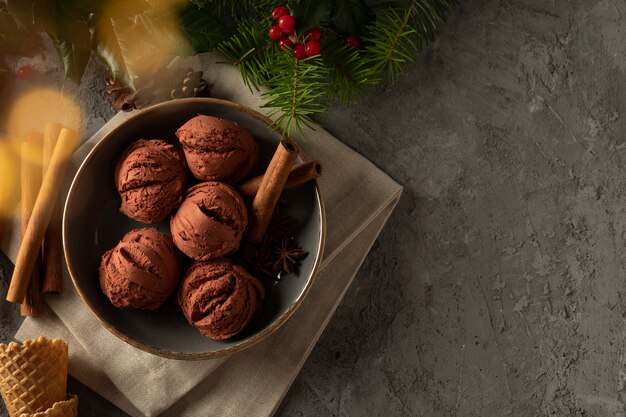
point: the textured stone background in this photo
(497, 288)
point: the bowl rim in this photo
(275, 325)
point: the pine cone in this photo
(157, 86)
(192, 85)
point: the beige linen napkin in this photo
(358, 198)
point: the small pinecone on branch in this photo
(122, 97)
(190, 85)
(160, 85)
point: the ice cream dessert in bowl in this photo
(218, 149)
(210, 222)
(141, 271)
(150, 178)
(193, 230)
(220, 298)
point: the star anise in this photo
(260, 263)
(278, 230)
(289, 257)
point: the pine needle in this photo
(401, 31)
(249, 50)
(350, 75)
(298, 91)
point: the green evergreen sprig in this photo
(391, 43)
(298, 91)
(350, 76)
(400, 32)
(249, 50)
(395, 32)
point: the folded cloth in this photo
(358, 197)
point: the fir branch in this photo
(428, 15)
(299, 91)
(350, 75)
(401, 31)
(249, 50)
(392, 43)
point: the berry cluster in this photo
(284, 33)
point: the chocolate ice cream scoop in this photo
(210, 222)
(218, 149)
(142, 271)
(150, 178)
(219, 297)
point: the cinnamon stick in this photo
(4, 203)
(5, 186)
(40, 217)
(301, 173)
(3, 215)
(52, 246)
(32, 305)
(30, 182)
(270, 189)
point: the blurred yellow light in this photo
(9, 179)
(37, 107)
(29, 150)
(29, 114)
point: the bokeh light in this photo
(9, 178)
(29, 114)
(35, 108)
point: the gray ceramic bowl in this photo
(92, 224)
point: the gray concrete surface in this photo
(497, 288)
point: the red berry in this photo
(299, 52)
(279, 12)
(314, 35)
(312, 48)
(276, 32)
(285, 43)
(287, 23)
(351, 41)
(25, 72)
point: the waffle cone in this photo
(67, 408)
(33, 376)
